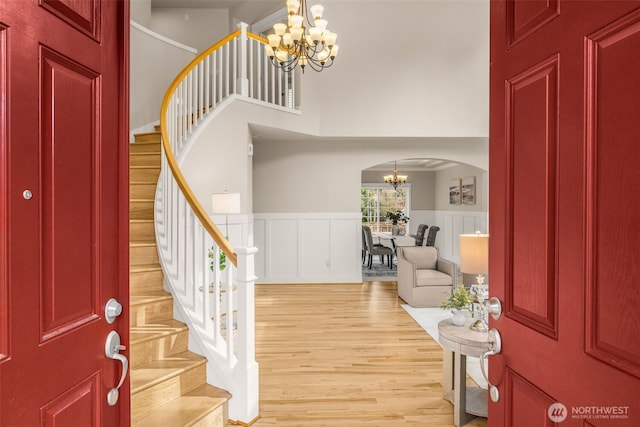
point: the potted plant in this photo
(459, 301)
(396, 217)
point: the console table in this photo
(459, 342)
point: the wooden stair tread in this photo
(141, 268)
(185, 410)
(149, 297)
(160, 370)
(155, 330)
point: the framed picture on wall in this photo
(469, 190)
(454, 192)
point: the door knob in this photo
(112, 349)
(112, 309)
(495, 346)
(494, 307)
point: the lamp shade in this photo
(225, 203)
(474, 253)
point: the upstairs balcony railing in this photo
(216, 303)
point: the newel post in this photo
(243, 81)
(247, 368)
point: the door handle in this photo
(495, 346)
(112, 349)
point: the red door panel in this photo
(69, 180)
(64, 202)
(564, 132)
(613, 103)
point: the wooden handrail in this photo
(190, 197)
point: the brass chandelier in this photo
(293, 45)
(395, 179)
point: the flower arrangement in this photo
(397, 217)
(460, 299)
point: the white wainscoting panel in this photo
(308, 247)
(452, 224)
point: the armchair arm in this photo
(447, 267)
(406, 271)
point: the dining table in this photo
(393, 241)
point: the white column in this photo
(243, 81)
(246, 407)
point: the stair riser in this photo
(213, 419)
(144, 175)
(148, 313)
(150, 350)
(141, 209)
(146, 159)
(153, 397)
(142, 231)
(145, 148)
(143, 281)
(141, 255)
(142, 191)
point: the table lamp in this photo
(474, 259)
(225, 203)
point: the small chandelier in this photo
(395, 179)
(292, 45)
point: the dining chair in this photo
(431, 236)
(376, 249)
(419, 236)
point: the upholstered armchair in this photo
(424, 279)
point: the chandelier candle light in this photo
(395, 179)
(292, 44)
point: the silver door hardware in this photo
(112, 310)
(112, 349)
(495, 346)
(27, 194)
(494, 307)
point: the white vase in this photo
(395, 230)
(459, 317)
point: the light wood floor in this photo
(345, 355)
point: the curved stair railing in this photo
(216, 303)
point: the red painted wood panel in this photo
(579, 68)
(81, 14)
(527, 404)
(525, 17)
(613, 270)
(532, 133)
(80, 406)
(4, 289)
(69, 180)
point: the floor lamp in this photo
(225, 203)
(474, 259)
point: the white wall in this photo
(407, 68)
(325, 176)
(155, 62)
(199, 28)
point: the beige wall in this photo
(443, 179)
(422, 185)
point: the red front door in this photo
(63, 194)
(565, 212)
